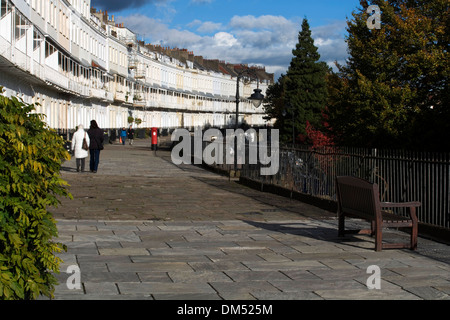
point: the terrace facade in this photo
(78, 64)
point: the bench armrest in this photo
(411, 205)
(400, 204)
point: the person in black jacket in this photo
(96, 137)
(130, 133)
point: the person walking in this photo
(77, 146)
(123, 135)
(96, 137)
(130, 133)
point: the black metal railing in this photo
(401, 175)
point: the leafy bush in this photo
(30, 160)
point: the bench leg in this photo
(378, 239)
(414, 228)
(372, 228)
(414, 233)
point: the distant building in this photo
(79, 65)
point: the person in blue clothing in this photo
(123, 135)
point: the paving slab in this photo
(235, 273)
(143, 228)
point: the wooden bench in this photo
(360, 198)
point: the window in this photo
(4, 8)
(21, 26)
(37, 39)
(49, 49)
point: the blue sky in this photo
(261, 32)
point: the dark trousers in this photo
(80, 163)
(95, 159)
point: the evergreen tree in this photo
(300, 96)
(393, 91)
(306, 91)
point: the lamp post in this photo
(257, 97)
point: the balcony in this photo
(120, 96)
(140, 103)
(123, 96)
(109, 96)
(20, 59)
(101, 94)
(56, 77)
(79, 88)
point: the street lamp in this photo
(257, 97)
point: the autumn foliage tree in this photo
(319, 138)
(393, 92)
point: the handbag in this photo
(85, 145)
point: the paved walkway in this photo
(143, 228)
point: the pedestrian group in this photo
(90, 143)
(85, 144)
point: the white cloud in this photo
(208, 27)
(265, 40)
(205, 27)
(224, 39)
(194, 23)
(155, 31)
(331, 42)
(261, 22)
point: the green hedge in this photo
(31, 155)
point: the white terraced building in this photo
(79, 65)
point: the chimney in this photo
(198, 59)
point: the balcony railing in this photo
(56, 77)
(79, 88)
(109, 96)
(121, 96)
(101, 94)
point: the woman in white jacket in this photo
(77, 145)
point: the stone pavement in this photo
(143, 228)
